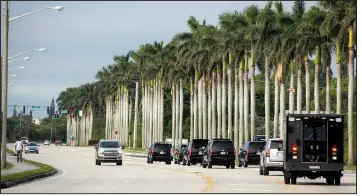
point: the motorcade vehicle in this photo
(272, 157)
(46, 143)
(32, 147)
(108, 151)
(219, 152)
(58, 142)
(248, 154)
(159, 152)
(194, 152)
(24, 140)
(178, 153)
(313, 147)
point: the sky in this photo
(85, 36)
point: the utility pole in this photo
(51, 130)
(5, 84)
(1, 96)
(135, 117)
(21, 113)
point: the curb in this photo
(27, 179)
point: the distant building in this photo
(36, 121)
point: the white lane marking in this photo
(249, 185)
(65, 172)
(247, 190)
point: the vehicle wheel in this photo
(227, 166)
(209, 165)
(119, 163)
(265, 171)
(188, 163)
(193, 163)
(37, 152)
(232, 166)
(330, 180)
(293, 180)
(175, 162)
(168, 162)
(98, 162)
(337, 180)
(286, 179)
(179, 161)
(203, 164)
(148, 160)
(151, 161)
(183, 162)
(260, 170)
(245, 164)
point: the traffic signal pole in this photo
(5, 84)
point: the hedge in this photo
(91, 142)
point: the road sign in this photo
(35, 107)
(64, 112)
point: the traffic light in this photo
(47, 110)
(23, 109)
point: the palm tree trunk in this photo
(230, 110)
(177, 128)
(351, 159)
(143, 116)
(267, 98)
(173, 93)
(307, 85)
(209, 110)
(181, 110)
(196, 131)
(316, 81)
(199, 104)
(246, 102)
(241, 104)
(282, 105)
(236, 111)
(299, 90)
(223, 102)
(191, 111)
(252, 102)
(339, 79)
(204, 108)
(150, 114)
(162, 111)
(276, 106)
(213, 106)
(291, 92)
(218, 104)
(328, 95)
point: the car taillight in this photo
(294, 151)
(268, 153)
(210, 152)
(234, 151)
(153, 152)
(334, 152)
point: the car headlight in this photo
(100, 151)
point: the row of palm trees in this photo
(219, 63)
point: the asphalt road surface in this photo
(79, 174)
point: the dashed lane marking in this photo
(262, 190)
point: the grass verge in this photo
(8, 165)
(43, 168)
(346, 167)
(137, 150)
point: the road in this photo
(79, 174)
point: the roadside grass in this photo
(43, 168)
(346, 167)
(137, 150)
(8, 165)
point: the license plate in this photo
(223, 153)
(280, 154)
(200, 153)
(162, 152)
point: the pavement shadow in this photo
(324, 184)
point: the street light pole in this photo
(135, 117)
(5, 76)
(58, 8)
(16, 55)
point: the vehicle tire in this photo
(148, 160)
(183, 162)
(193, 163)
(245, 164)
(286, 179)
(175, 162)
(37, 152)
(119, 163)
(265, 171)
(188, 163)
(98, 162)
(232, 166)
(151, 161)
(168, 162)
(227, 166)
(260, 170)
(179, 161)
(337, 180)
(330, 180)
(203, 164)
(209, 165)
(293, 180)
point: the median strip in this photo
(44, 170)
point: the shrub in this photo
(91, 142)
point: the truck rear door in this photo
(276, 151)
(315, 144)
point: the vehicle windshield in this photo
(198, 145)
(255, 146)
(164, 147)
(276, 145)
(218, 145)
(183, 147)
(32, 144)
(109, 144)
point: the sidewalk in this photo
(18, 167)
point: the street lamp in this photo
(58, 8)
(40, 50)
(11, 84)
(16, 68)
(14, 76)
(24, 58)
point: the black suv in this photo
(195, 150)
(219, 152)
(178, 153)
(160, 152)
(249, 153)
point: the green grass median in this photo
(136, 150)
(8, 165)
(43, 168)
